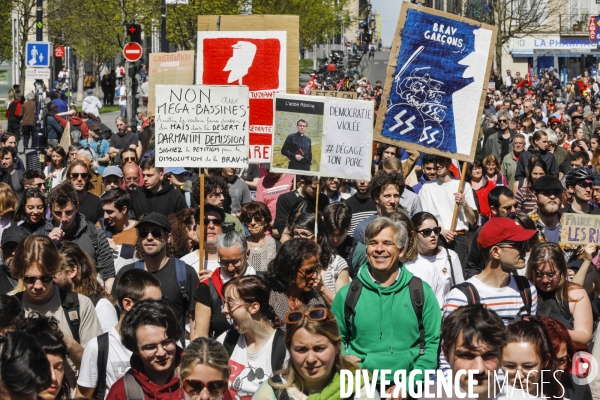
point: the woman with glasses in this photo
(525, 198)
(564, 352)
(313, 340)
(232, 252)
(445, 260)
(56, 169)
(557, 297)
(293, 275)
(257, 220)
(79, 275)
(204, 371)
(525, 355)
(254, 344)
(335, 272)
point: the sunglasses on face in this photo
(195, 387)
(225, 263)
(128, 159)
(316, 314)
(427, 232)
(76, 175)
(156, 233)
(259, 219)
(311, 271)
(30, 280)
(215, 221)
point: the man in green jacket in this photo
(384, 332)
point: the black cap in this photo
(546, 183)
(209, 207)
(14, 234)
(156, 219)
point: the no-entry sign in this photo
(132, 51)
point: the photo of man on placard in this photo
(298, 148)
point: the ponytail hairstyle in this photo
(254, 289)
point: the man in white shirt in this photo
(440, 196)
(134, 285)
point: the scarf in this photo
(332, 390)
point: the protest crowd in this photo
(104, 291)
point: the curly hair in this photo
(139, 250)
(31, 193)
(179, 237)
(283, 269)
(211, 184)
(383, 179)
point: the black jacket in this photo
(545, 155)
(166, 201)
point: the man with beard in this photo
(361, 203)
(548, 191)
(580, 186)
(10, 174)
(331, 188)
(131, 174)
(118, 226)
(306, 192)
(154, 237)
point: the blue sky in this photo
(388, 10)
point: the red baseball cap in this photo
(498, 230)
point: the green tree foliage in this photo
(6, 7)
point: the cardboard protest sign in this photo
(322, 136)
(335, 93)
(347, 139)
(580, 229)
(201, 126)
(264, 48)
(439, 65)
(169, 69)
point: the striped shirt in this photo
(361, 209)
(525, 200)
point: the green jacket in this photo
(387, 330)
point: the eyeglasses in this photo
(316, 314)
(195, 387)
(151, 349)
(503, 120)
(427, 232)
(156, 233)
(550, 276)
(310, 271)
(76, 175)
(303, 235)
(215, 221)
(40, 185)
(127, 159)
(225, 263)
(521, 246)
(30, 280)
(258, 218)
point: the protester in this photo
(263, 248)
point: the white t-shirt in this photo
(332, 272)
(107, 315)
(438, 199)
(193, 261)
(118, 362)
(249, 370)
(122, 100)
(443, 268)
(421, 268)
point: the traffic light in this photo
(134, 31)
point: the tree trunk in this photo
(499, 56)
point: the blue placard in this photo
(37, 54)
(437, 84)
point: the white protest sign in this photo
(347, 139)
(201, 126)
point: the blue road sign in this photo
(37, 54)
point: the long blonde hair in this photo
(8, 200)
(329, 329)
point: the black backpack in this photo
(417, 298)
(277, 353)
(69, 302)
(472, 295)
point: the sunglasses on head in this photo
(76, 175)
(195, 387)
(156, 233)
(30, 280)
(215, 221)
(427, 232)
(315, 314)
